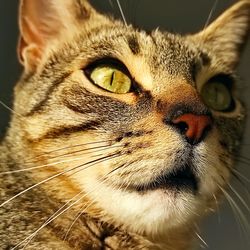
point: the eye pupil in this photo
(112, 78)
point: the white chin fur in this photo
(153, 213)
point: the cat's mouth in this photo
(182, 179)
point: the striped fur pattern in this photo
(94, 152)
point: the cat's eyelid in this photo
(108, 61)
(227, 79)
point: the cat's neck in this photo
(92, 233)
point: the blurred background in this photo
(229, 228)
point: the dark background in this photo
(228, 229)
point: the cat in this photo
(119, 138)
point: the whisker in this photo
(210, 14)
(236, 216)
(79, 214)
(39, 167)
(53, 177)
(61, 208)
(11, 110)
(57, 214)
(121, 11)
(202, 240)
(100, 161)
(217, 208)
(244, 158)
(104, 147)
(238, 174)
(88, 205)
(244, 162)
(242, 221)
(69, 147)
(239, 197)
(65, 154)
(30, 237)
(59, 162)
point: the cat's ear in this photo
(228, 34)
(43, 22)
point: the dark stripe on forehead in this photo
(133, 44)
(206, 60)
(196, 65)
(66, 131)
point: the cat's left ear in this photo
(45, 23)
(228, 34)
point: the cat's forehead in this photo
(154, 56)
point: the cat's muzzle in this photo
(182, 178)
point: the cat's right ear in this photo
(43, 23)
(228, 34)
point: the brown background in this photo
(221, 231)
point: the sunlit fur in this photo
(100, 144)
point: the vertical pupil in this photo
(112, 78)
(217, 95)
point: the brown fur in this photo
(58, 113)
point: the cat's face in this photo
(146, 124)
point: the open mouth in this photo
(182, 179)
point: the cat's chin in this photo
(155, 212)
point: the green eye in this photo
(217, 96)
(111, 78)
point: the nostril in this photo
(181, 126)
(193, 127)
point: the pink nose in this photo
(192, 126)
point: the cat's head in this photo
(147, 124)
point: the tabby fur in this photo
(62, 121)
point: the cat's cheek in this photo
(214, 165)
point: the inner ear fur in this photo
(228, 34)
(43, 22)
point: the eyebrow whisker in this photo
(121, 11)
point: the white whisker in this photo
(121, 11)
(239, 215)
(241, 175)
(69, 147)
(11, 110)
(60, 162)
(217, 208)
(79, 214)
(239, 197)
(57, 214)
(30, 237)
(211, 13)
(53, 177)
(202, 240)
(88, 205)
